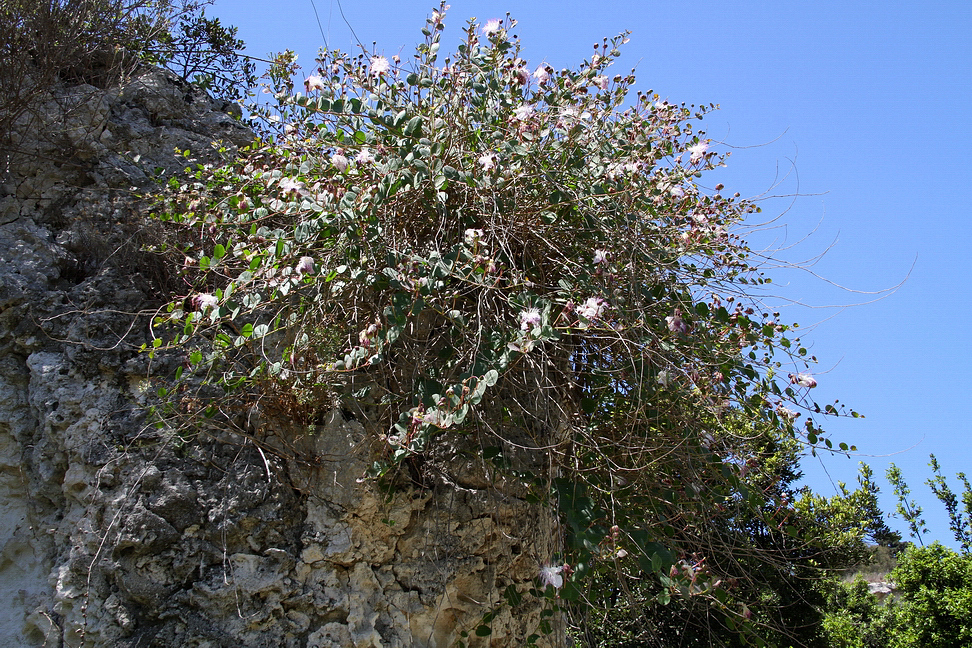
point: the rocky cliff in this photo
(114, 534)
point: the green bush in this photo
(935, 588)
(931, 605)
(932, 601)
(857, 619)
(521, 267)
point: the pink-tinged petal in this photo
(313, 82)
(339, 161)
(529, 319)
(205, 301)
(551, 575)
(698, 152)
(492, 27)
(305, 265)
(804, 380)
(379, 65)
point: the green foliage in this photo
(959, 519)
(857, 619)
(478, 258)
(847, 519)
(203, 51)
(906, 508)
(932, 604)
(935, 587)
(797, 545)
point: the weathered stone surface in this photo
(881, 590)
(114, 534)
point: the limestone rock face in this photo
(881, 590)
(113, 534)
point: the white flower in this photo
(617, 169)
(541, 75)
(438, 15)
(472, 236)
(379, 65)
(569, 116)
(305, 265)
(698, 151)
(529, 318)
(676, 324)
(600, 256)
(488, 161)
(550, 575)
(804, 380)
(313, 82)
(364, 156)
(524, 112)
(786, 413)
(523, 75)
(601, 82)
(367, 336)
(492, 26)
(592, 308)
(289, 184)
(339, 161)
(205, 301)
(437, 418)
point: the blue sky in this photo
(861, 108)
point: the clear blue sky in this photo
(861, 107)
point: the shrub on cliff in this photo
(479, 256)
(98, 42)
